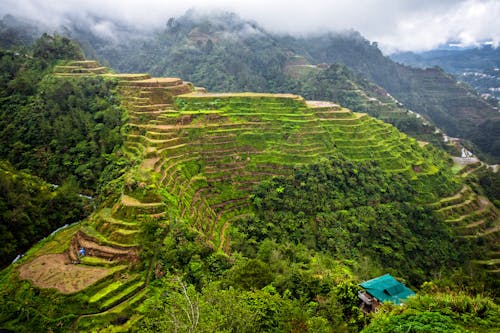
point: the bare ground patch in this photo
(56, 271)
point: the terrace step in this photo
(84, 63)
(156, 82)
(127, 77)
(96, 248)
(112, 289)
(129, 207)
(124, 294)
(96, 261)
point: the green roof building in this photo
(384, 288)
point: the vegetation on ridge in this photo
(225, 53)
(256, 213)
(57, 128)
(31, 209)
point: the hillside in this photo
(57, 130)
(222, 203)
(479, 67)
(223, 52)
(455, 108)
(31, 209)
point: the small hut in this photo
(384, 288)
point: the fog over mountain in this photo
(408, 25)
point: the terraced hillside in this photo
(212, 148)
(197, 155)
(475, 219)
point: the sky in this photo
(397, 25)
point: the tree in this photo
(51, 48)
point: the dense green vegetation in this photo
(235, 212)
(490, 183)
(438, 312)
(30, 209)
(353, 210)
(56, 128)
(63, 131)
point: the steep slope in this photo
(476, 66)
(196, 156)
(225, 53)
(30, 209)
(455, 108)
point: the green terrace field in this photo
(197, 156)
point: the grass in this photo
(57, 243)
(94, 261)
(207, 151)
(126, 292)
(112, 289)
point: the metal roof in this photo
(386, 288)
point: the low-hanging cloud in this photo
(396, 25)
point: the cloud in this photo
(395, 25)
(467, 23)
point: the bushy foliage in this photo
(50, 48)
(350, 210)
(178, 307)
(490, 182)
(442, 312)
(53, 127)
(30, 209)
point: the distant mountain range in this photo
(225, 53)
(479, 67)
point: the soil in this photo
(56, 271)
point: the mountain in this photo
(232, 212)
(478, 67)
(225, 53)
(250, 212)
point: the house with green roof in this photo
(384, 288)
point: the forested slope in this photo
(225, 53)
(56, 129)
(64, 132)
(257, 212)
(31, 209)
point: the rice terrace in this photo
(310, 183)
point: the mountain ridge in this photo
(241, 212)
(226, 53)
(195, 158)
